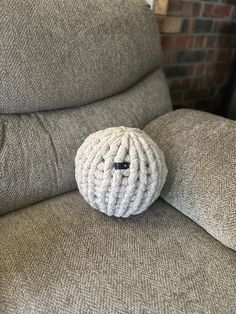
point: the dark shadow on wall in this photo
(227, 96)
(227, 106)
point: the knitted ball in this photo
(120, 171)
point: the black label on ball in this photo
(121, 165)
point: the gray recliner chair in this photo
(70, 68)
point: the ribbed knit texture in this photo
(120, 192)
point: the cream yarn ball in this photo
(120, 171)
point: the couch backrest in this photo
(70, 68)
(66, 53)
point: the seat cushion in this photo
(200, 152)
(62, 256)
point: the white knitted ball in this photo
(120, 171)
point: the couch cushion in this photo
(64, 53)
(200, 152)
(37, 150)
(62, 256)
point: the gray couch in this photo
(70, 68)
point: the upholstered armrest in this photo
(200, 152)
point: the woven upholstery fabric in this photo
(200, 152)
(65, 53)
(37, 151)
(120, 171)
(60, 256)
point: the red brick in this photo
(198, 69)
(175, 7)
(196, 83)
(160, 21)
(161, 7)
(196, 94)
(169, 24)
(222, 54)
(218, 41)
(197, 8)
(183, 8)
(207, 81)
(200, 42)
(210, 55)
(219, 80)
(210, 69)
(197, 26)
(233, 54)
(229, 41)
(174, 71)
(191, 56)
(168, 56)
(202, 26)
(181, 84)
(186, 84)
(224, 67)
(233, 17)
(175, 97)
(217, 10)
(187, 26)
(203, 82)
(211, 41)
(175, 41)
(224, 27)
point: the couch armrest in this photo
(200, 152)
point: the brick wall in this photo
(199, 47)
